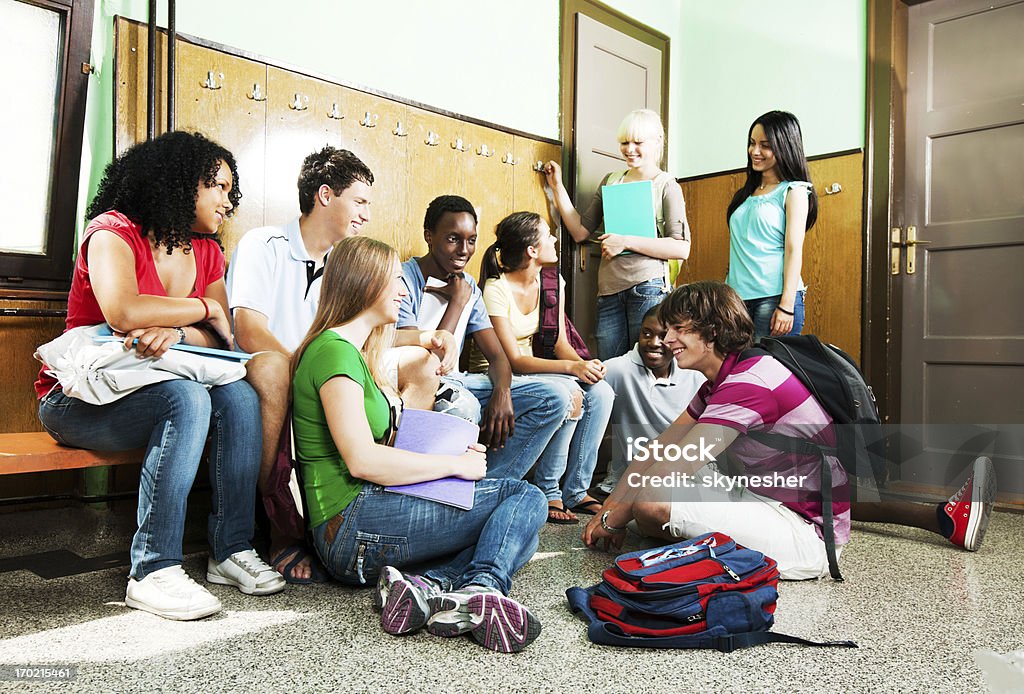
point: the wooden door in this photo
(377, 131)
(963, 328)
(222, 96)
(615, 74)
(300, 121)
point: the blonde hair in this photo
(356, 273)
(640, 125)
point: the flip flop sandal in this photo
(589, 508)
(316, 573)
(560, 521)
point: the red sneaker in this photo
(970, 508)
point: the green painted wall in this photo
(740, 58)
(498, 61)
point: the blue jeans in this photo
(573, 448)
(172, 420)
(540, 408)
(484, 546)
(619, 316)
(761, 311)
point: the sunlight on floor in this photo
(134, 635)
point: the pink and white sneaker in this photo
(970, 508)
(403, 600)
(493, 620)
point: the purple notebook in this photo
(437, 433)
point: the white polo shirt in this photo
(272, 273)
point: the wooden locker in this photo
(223, 97)
(527, 183)
(131, 53)
(377, 131)
(487, 183)
(434, 167)
(299, 122)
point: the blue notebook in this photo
(105, 334)
(629, 209)
(437, 433)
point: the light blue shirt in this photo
(757, 243)
(408, 313)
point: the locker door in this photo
(434, 167)
(219, 96)
(299, 121)
(487, 183)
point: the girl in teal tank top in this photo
(768, 218)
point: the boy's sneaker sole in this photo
(983, 494)
(495, 621)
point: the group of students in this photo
(343, 340)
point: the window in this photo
(46, 49)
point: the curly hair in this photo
(337, 168)
(156, 184)
(714, 310)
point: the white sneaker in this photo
(247, 572)
(171, 594)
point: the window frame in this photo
(52, 270)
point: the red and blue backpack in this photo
(708, 592)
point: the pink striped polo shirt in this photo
(761, 394)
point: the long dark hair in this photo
(155, 184)
(783, 132)
(514, 235)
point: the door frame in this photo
(884, 169)
(567, 76)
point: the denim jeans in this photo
(540, 408)
(573, 448)
(761, 311)
(619, 316)
(484, 546)
(172, 420)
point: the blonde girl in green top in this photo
(363, 533)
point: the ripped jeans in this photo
(572, 451)
(485, 545)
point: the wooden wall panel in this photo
(132, 47)
(225, 111)
(297, 124)
(528, 184)
(20, 336)
(833, 263)
(432, 169)
(369, 130)
(488, 184)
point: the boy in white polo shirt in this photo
(650, 392)
(273, 291)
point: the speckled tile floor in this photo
(917, 606)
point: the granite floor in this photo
(917, 606)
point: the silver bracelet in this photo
(609, 528)
(181, 335)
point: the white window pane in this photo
(31, 54)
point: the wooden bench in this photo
(35, 451)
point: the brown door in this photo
(963, 324)
(615, 74)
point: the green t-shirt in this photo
(328, 484)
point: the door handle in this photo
(911, 244)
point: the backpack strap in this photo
(790, 444)
(547, 330)
(734, 642)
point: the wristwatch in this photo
(609, 528)
(181, 335)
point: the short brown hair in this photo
(715, 312)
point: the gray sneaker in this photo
(247, 572)
(404, 600)
(493, 620)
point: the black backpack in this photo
(835, 381)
